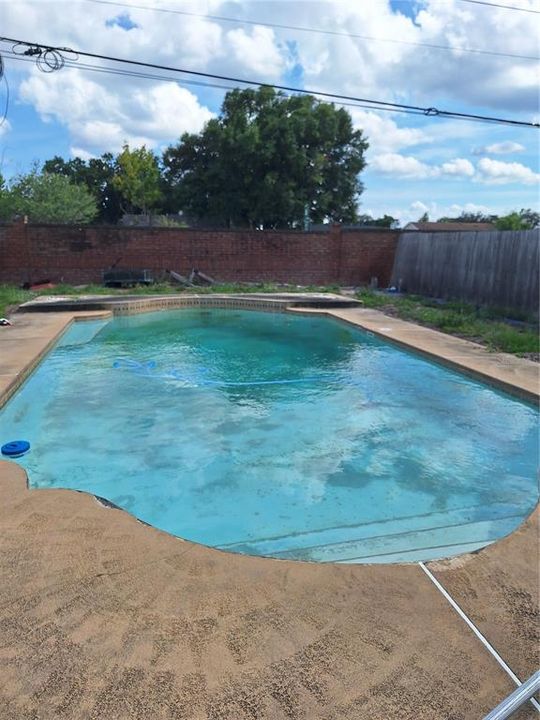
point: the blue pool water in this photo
(273, 434)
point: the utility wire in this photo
(36, 49)
(321, 31)
(506, 7)
(4, 78)
(107, 70)
(128, 73)
(184, 81)
(179, 81)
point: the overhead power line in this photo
(4, 78)
(107, 70)
(38, 51)
(299, 28)
(505, 7)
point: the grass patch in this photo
(260, 288)
(461, 319)
(11, 297)
(484, 326)
(164, 288)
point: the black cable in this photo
(506, 7)
(4, 78)
(47, 59)
(430, 111)
(299, 28)
(184, 81)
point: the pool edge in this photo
(492, 376)
(30, 358)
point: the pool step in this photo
(421, 537)
(81, 333)
(431, 544)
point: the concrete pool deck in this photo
(104, 617)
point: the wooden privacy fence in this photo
(492, 268)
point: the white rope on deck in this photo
(508, 670)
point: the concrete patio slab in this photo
(104, 617)
(499, 588)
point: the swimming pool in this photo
(278, 435)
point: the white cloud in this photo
(384, 134)
(101, 119)
(496, 172)
(419, 208)
(374, 68)
(80, 153)
(436, 210)
(257, 49)
(460, 167)
(455, 210)
(506, 147)
(401, 166)
(407, 166)
(5, 127)
(488, 171)
(99, 111)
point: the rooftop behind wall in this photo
(492, 268)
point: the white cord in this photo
(475, 630)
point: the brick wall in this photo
(73, 254)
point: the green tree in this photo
(386, 221)
(470, 217)
(267, 162)
(512, 221)
(530, 218)
(48, 198)
(6, 201)
(97, 174)
(138, 179)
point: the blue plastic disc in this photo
(15, 448)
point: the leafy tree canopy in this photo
(97, 175)
(268, 161)
(5, 200)
(47, 198)
(469, 217)
(137, 178)
(522, 220)
(530, 217)
(525, 219)
(386, 221)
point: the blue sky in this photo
(416, 164)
